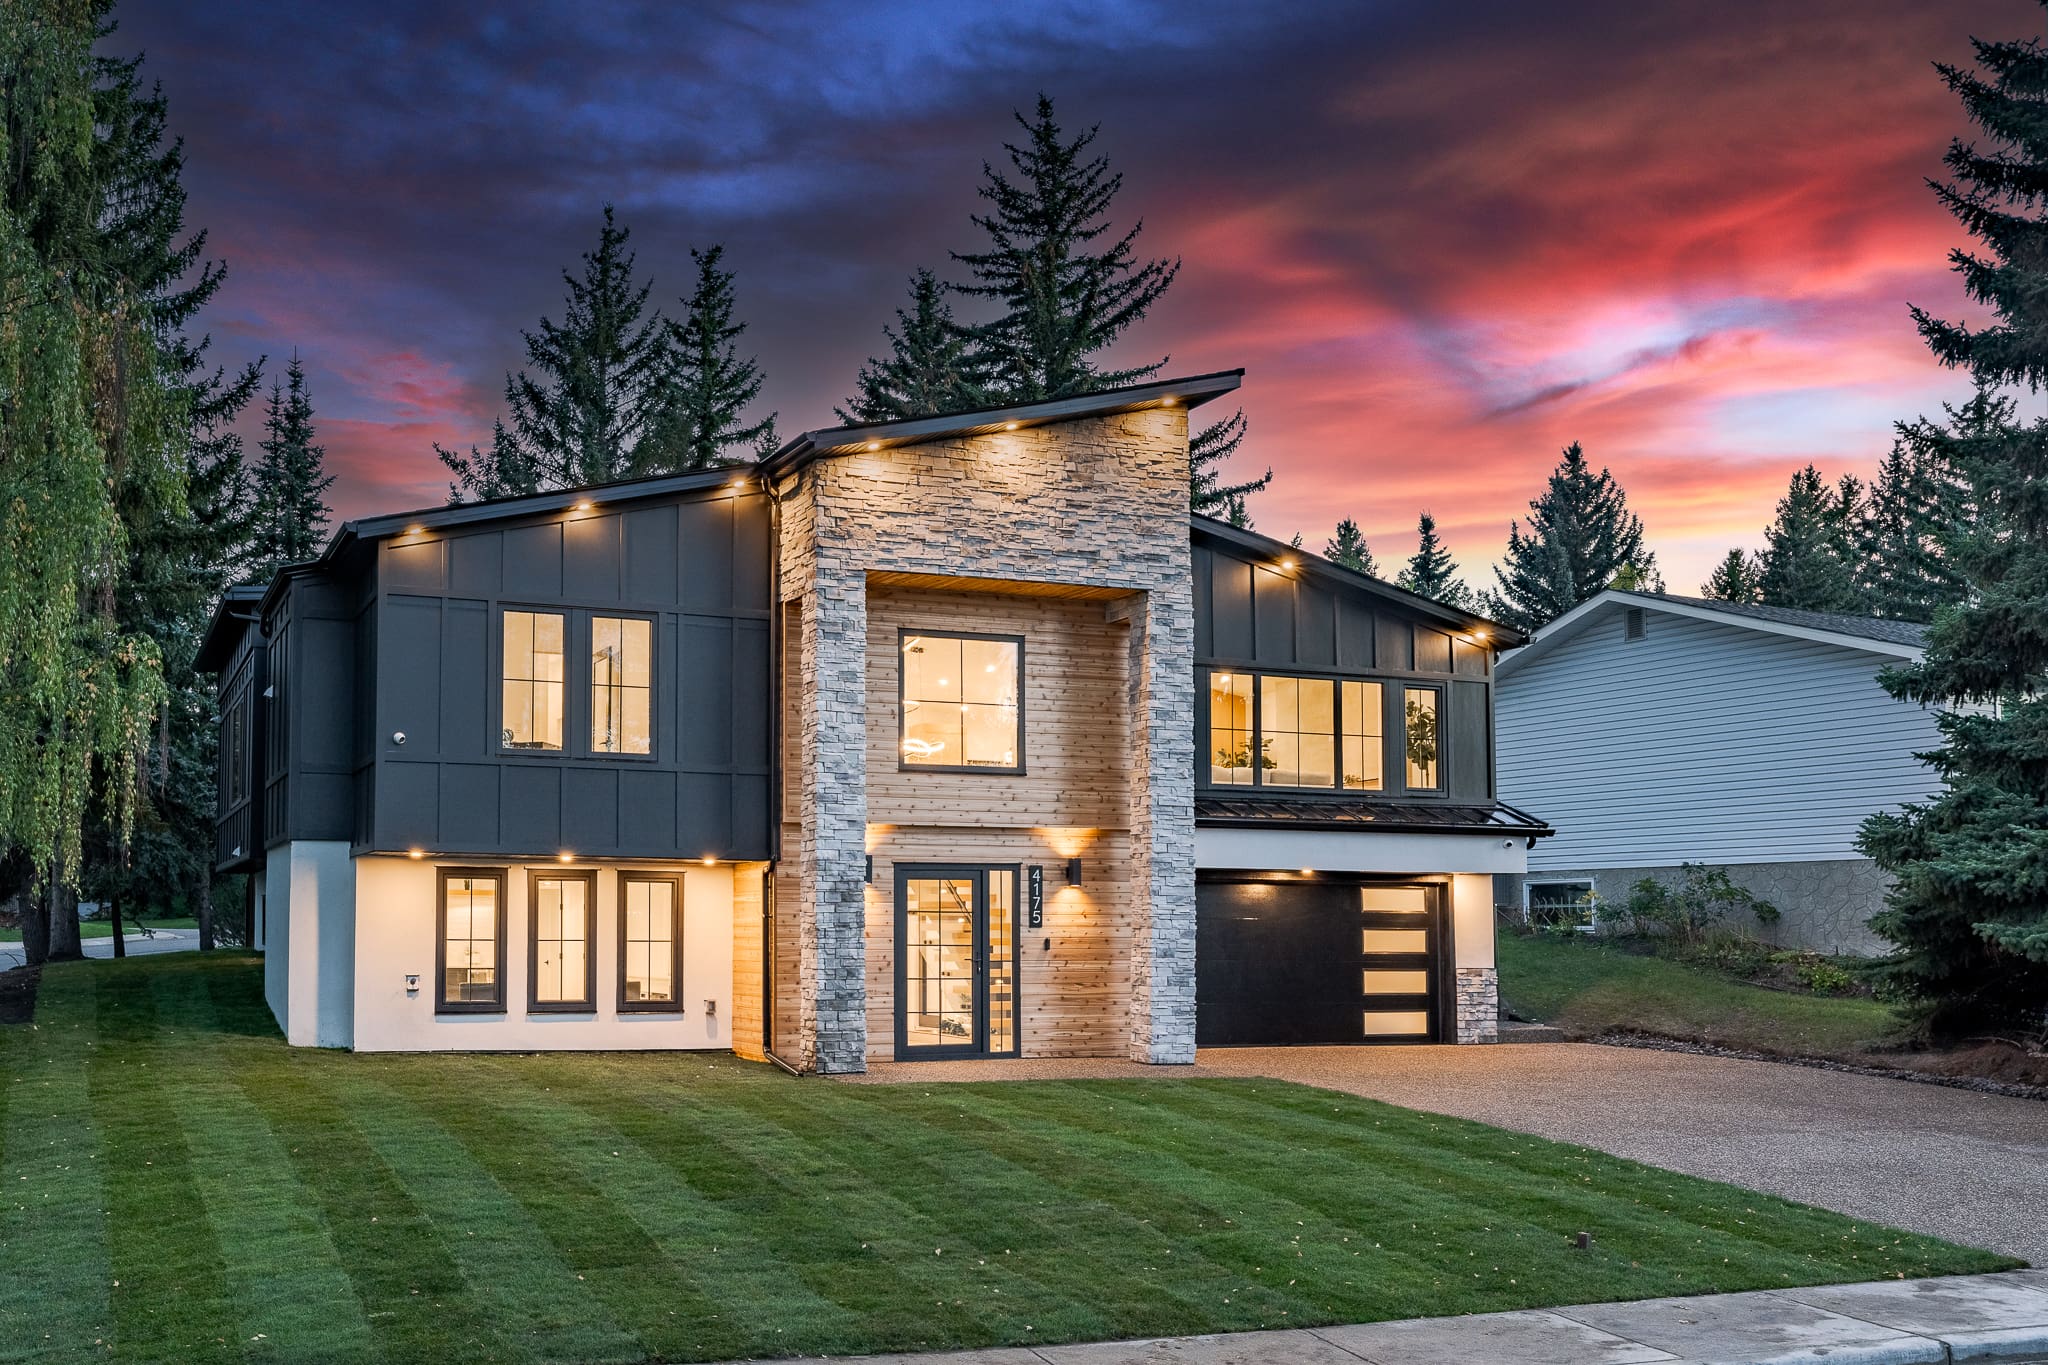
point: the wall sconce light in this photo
(1073, 872)
(868, 877)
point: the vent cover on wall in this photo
(1632, 624)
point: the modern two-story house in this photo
(955, 737)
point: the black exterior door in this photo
(1318, 961)
(956, 961)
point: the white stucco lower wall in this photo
(397, 919)
(308, 961)
(1468, 860)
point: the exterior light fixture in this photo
(740, 482)
(1308, 872)
(710, 861)
(585, 505)
(415, 530)
(868, 877)
(1287, 564)
(1011, 426)
(1073, 872)
(1167, 401)
(874, 445)
(565, 857)
(1479, 637)
(415, 853)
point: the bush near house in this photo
(183, 1186)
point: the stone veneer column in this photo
(1162, 703)
(832, 840)
(1478, 1005)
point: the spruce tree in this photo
(1581, 534)
(1968, 908)
(709, 386)
(291, 478)
(1349, 549)
(593, 382)
(1431, 572)
(1915, 501)
(1067, 288)
(1737, 578)
(1811, 550)
(91, 420)
(1208, 449)
(931, 366)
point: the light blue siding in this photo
(1703, 742)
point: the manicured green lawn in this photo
(93, 928)
(176, 1184)
(1588, 989)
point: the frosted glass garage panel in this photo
(1396, 1023)
(1396, 982)
(1397, 940)
(1395, 900)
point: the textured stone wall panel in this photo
(1478, 1005)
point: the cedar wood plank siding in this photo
(1704, 742)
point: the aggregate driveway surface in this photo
(1969, 1167)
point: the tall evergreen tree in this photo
(1348, 548)
(709, 385)
(593, 384)
(1737, 578)
(1581, 534)
(90, 416)
(931, 366)
(1431, 571)
(291, 478)
(1811, 550)
(1968, 909)
(1917, 499)
(1066, 287)
(1208, 450)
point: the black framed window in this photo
(621, 685)
(471, 942)
(960, 702)
(561, 912)
(1422, 720)
(650, 942)
(535, 680)
(1298, 732)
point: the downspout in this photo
(778, 634)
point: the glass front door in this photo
(956, 961)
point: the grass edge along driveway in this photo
(179, 1185)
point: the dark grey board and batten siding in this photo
(1252, 615)
(311, 762)
(698, 566)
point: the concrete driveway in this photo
(1968, 1167)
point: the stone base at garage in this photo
(1478, 1005)
(1823, 906)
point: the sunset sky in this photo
(1443, 240)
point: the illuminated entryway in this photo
(1318, 959)
(956, 961)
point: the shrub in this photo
(1696, 910)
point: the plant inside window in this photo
(960, 702)
(1424, 738)
(534, 680)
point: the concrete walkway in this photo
(1951, 1163)
(1912, 1322)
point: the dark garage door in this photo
(1317, 961)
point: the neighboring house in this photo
(944, 738)
(1656, 730)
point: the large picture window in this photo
(472, 943)
(561, 908)
(1425, 739)
(534, 680)
(621, 685)
(650, 943)
(962, 702)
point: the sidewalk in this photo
(1890, 1322)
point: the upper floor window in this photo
(1313, 733)
(621, 685)
(961, 702)
(535, 680)
(1425, 739)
